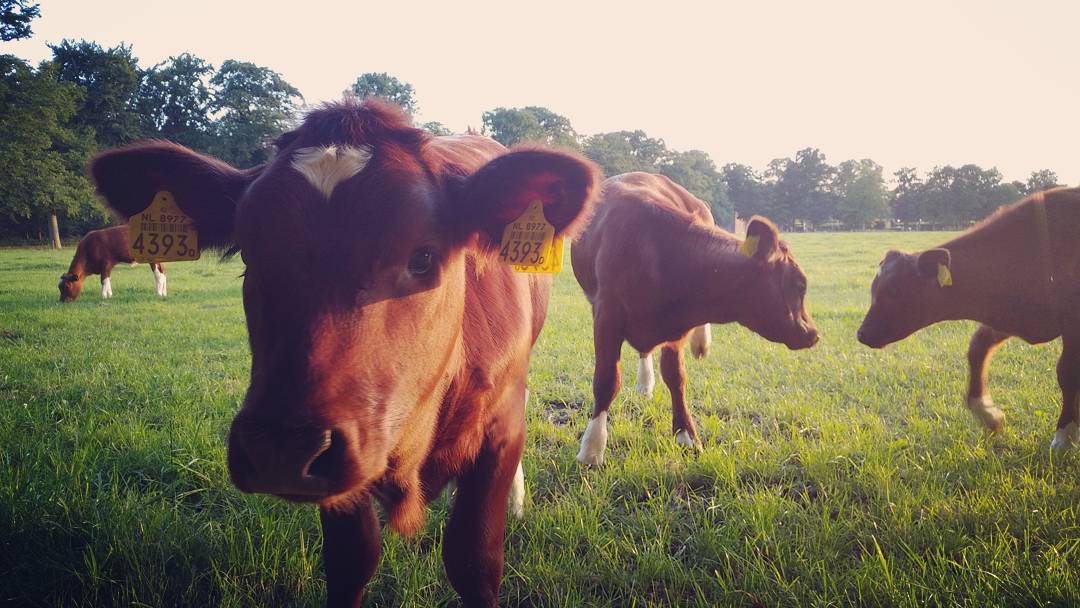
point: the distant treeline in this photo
(54, 117)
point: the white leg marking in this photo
(683, 438)
(984, 411)
(517, 493)
(159, 282)
(594, 441)
(1066, 438)
(326, 167)
(700, 340)
(106, 288)
(646, 381)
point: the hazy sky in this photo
(905, 83)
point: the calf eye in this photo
(421, 262)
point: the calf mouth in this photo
(868, 338)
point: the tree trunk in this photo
(54, 231)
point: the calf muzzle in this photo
(286, 463)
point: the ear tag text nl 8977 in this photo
(529, 243)
(163, 232)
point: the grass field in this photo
(834, 476)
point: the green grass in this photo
(834, 476)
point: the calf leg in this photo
(160, 284)
(1068, 373)
(673, 370)
(517, 488)
(646, 381)
(700, 340)
(106, 284)
(473, 541)
(983, 344)
(607, 342)
(351, 550)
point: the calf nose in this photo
(283, 462)
(861, 336)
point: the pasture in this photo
(833, 476)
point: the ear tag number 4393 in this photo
(163, 232)
(529, 243)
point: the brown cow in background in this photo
(389, 346)
(655, 268)
(1017, 273)
(97, 253)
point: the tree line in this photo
(56, 115)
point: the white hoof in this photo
(986, 413)
(594, 441)
(700, 340)
(646, 381)
(683, 438)
(517, 494)
(1066, 438)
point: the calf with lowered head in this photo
(656, 268)
(97, 253)
(1017, 273)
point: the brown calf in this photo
(1017, 272)
(389, 348)
(97, 253)
(655, 267)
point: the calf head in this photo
(357, 239)
(70, 285)
(775, 290)
(907, 295)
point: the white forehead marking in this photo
(327, 166)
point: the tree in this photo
(253, 105)
(381, 84)
(1038, 181)
(42, 172)
(803, 188)
(510, 126)
(861, 194)
(625, 151)
(696, 172)
(110, 78)
(15, 18)
(748, 192)
(436, 128)
(907, 199)
(174, 101)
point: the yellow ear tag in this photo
(749, 246)
(529, 243)
(944, 277)
(162, 232)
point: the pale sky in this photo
(914, 83)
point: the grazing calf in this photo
(389, 347)
(1017, 273)
(97, 253)
(655, 268)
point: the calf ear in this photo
(931, 260)
(204, 187)
(762, 239)
(500, 191)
